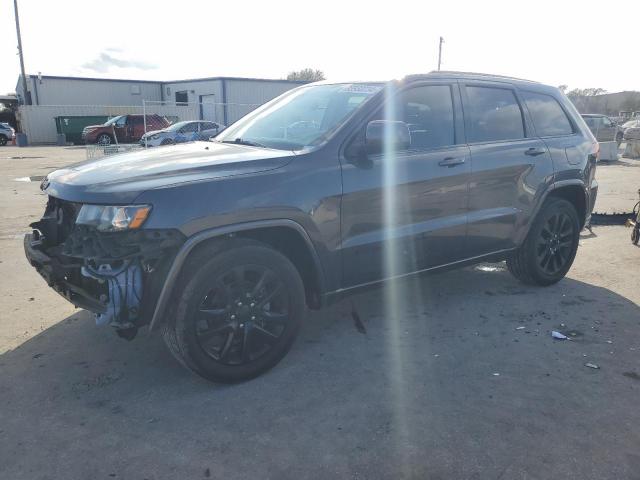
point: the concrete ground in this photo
(461, 380)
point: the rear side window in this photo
(190, 128)
(548, 116)
(494, 114)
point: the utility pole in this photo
(440, 52)
(26, 100)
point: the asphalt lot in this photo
(413, 394)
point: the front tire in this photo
(239, 309)
(3, 140)
(548, 252)
(104, 139)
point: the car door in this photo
(136, 127)
(187, 133)
(120, 128)
(208, 130)
(508, 165)
(414, 200)
(607, 130)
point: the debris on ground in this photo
(496, 374)
(558, 335)
(592, 365)
(357, 322)
(520, 328)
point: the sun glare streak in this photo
(392, 262)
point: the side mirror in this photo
(396, 133)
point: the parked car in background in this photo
(224, 246)
(181, 132)
(122, 129)
(7, 133)
(632, 132)
(603, 128)
(635, 124)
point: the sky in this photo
(579, 44)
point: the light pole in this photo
(26, 100)
(440, 52)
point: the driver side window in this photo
(428, 112)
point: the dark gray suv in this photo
(224, 245)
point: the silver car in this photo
(181, 132)
(6, 133)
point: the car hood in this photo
(122, 178)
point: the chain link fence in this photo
(107, 130)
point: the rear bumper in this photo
(57, 273)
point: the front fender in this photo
(195, 240)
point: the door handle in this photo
(534, 152)
(451, 161)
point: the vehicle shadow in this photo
(454, 374)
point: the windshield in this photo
(301, 118)
(113, 120)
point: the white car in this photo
(7, 133)
(181, 132)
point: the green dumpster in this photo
(72, 126)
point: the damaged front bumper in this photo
(117, 275)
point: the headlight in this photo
(107, 218)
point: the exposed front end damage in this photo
(116, 275)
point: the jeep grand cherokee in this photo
(224, 245)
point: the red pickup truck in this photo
(122, 129)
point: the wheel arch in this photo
(573, 191)
(576, 194)
(275, 233)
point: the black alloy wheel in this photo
(555, 243)
(547, 253)
(243, 315)
(238, 307)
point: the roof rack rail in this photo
(475, 74)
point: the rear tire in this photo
(3, 140)
(548, 252)
(239, 307)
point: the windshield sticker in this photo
(359, 88)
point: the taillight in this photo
(594, 156)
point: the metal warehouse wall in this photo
(243, 95)
(199, 91)
(70, 91)
(194, 89)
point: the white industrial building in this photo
(220, 99)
